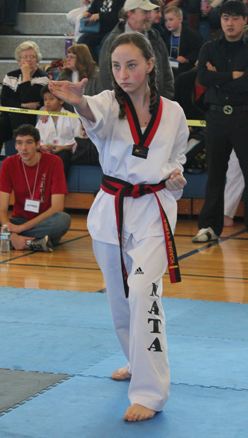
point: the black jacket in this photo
(185, 96)
(14, 93)
(109, 16)
(226, 57)
(189, 48)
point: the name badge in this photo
(31, 205)
(174, 63)
(140, 151)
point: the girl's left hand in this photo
(176, 181)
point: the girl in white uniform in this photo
(115, 121)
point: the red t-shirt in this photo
(50, 181)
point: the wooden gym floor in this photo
(210, 272)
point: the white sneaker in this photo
(205, 235)
(43, 244)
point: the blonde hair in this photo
(174, 10)
(25, 46)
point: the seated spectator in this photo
(138, 19)
(21, 89)
(183, 43)
(8, 14)
(57, 134)
(212, 12)
(73, 17)
(156, 18)
(106, 11)
(80, 65)
(38, 181)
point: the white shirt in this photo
(73, 17)
(63, 134)
(114, 142)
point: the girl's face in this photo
(130, 68)
(28, 57)
(71, 61)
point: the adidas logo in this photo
(138, 271)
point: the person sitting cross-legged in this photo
(38, 181)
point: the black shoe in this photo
(43, 244)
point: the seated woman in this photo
(73, 17)
(106, 11)
(21, 89)
(80, 65)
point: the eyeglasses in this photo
(71, 57)
(30, 57)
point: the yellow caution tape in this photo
(40, 113)
(200, 123)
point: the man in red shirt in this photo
(38, 181)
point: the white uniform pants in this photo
(139, 321)
(234, 187)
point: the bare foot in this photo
(138, 413)
(121, 374)
(228, 222)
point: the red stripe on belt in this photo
(121, 189)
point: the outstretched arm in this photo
(72, 93)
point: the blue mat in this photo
(72, 333)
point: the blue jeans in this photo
(55, 227)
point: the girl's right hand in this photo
(68, 91)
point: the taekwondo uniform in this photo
(63, 134)
(139, 320)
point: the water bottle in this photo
(5, 240)
(68, 43)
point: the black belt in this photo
(228, 109)
(120, 189)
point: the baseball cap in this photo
(142, 4)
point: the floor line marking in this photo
(212, 276)
(34, 252)
(210, 244)
(54, 266)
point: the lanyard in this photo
(177, 47)
(142, 141)
(37, 170)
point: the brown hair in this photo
(159, 3)
(85, 65)
(144, 45)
